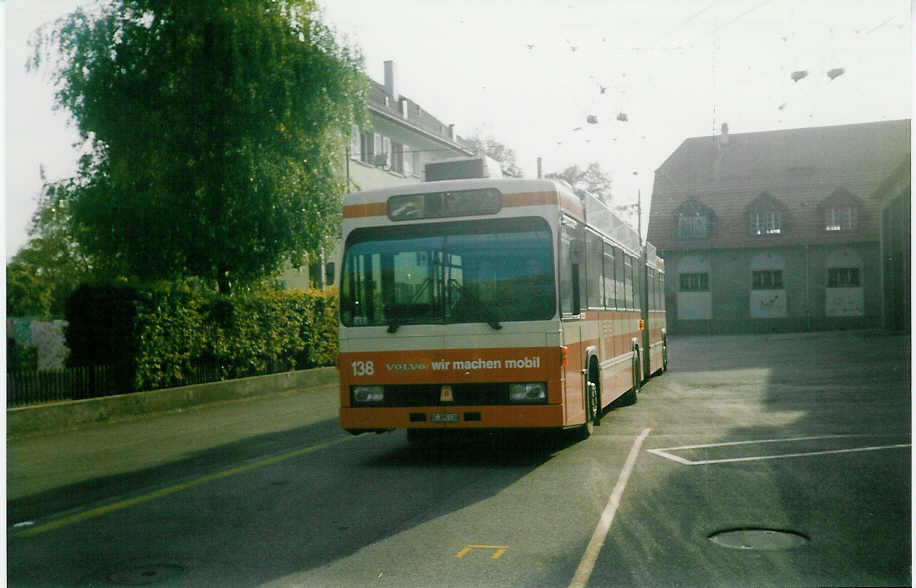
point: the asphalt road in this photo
(756, 460)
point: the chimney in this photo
(391, 87)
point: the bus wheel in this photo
(594, 403)
(632, 394)
(665, 354)
(591, 410)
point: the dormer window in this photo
(841, 218)
(694, 221)
(841, 212)
(765, 216)
(692, 226)
(765, 223)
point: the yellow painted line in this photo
(120, 505)
(500, 550)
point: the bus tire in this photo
(632, 394)
(664, 354)
(592, 412)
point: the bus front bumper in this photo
(459, 417)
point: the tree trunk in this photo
(222, 278)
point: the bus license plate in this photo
(441, 417)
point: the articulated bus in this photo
(492, 304)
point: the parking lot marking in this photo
(587, 565)
(500, 550)
(666, 451)
(122, 504)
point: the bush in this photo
(20, 357)
(168, 332)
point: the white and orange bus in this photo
(492, 304)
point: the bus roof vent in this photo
(459, 168)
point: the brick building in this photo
(780, 230)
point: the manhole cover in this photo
(758, 539)
(147, 574)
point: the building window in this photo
(694, 282)
(765, 222)
(367, 147)
(841, 218)
(774, 222)
(397, 157)
(694, 221)
(692, 226)
(407, 157)
(767, 280)
(843, 277)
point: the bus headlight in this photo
(528, 392)
(368, 394)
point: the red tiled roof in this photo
(798, 168)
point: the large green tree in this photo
(498, 151)
(591, 179)
(212, 133)
(41, 276)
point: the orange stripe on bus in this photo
(445, 366)
(363, 210)
(530, 199)
(509, 200)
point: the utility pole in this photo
(639, 214)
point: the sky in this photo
(530, 74)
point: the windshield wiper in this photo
(483, 311)
(494, 324)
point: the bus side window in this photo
(594, 281)
(618, 278)
(572, 270)
(638, 269)
(650, 291)
(609, 295)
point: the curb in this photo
(64, 416)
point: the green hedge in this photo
(166, 335)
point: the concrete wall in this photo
(805, 302)
(61, 416)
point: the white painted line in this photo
(666, 452)
(785, 440)
(587, 565)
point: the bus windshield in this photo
(488, 271)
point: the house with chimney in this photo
(782, 230)
(402, 138)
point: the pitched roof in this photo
(416, 115)
(798, 168)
